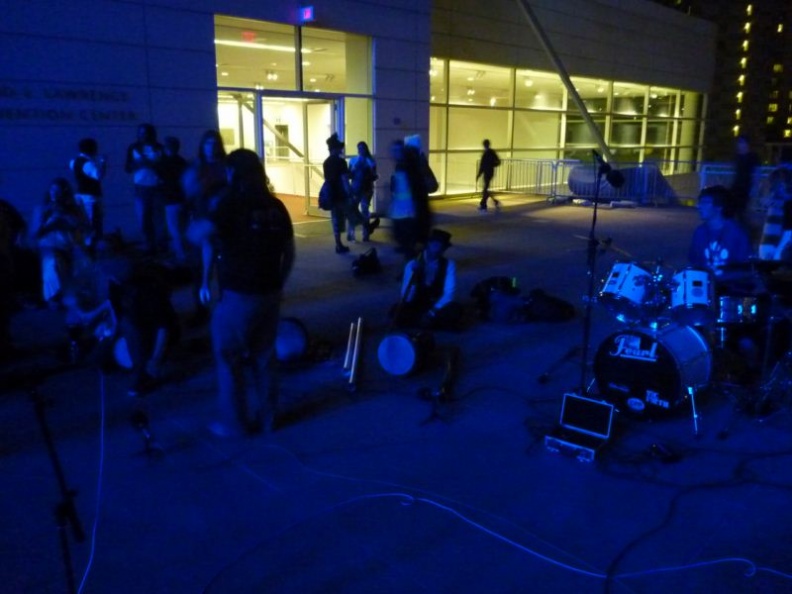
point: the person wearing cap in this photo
(428, 288)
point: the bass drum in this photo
(402, 354)
(647, 373)
(291, 342)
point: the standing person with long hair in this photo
(363, 171)
(251, 232)
(203, 182)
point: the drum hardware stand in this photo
(692, 393)
(352, 357)
(444, 394)
(65, 511)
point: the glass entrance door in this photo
(293, 136)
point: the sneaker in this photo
(341, 249)
(482, 208)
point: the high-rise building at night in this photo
(751, 91)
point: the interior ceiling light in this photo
(259, 46)
(528, 82)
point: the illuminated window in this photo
(739, 97)
(743, 62)
(738, 114)
(745, 45)
(772, 108)
(749, 9)
(778, 67)
(789, 121)
(736, 130)
(741, 80)
(747, 27)
(780, 27)
(770, 120)
(787, 133)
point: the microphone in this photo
(604, 167)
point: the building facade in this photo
(279, 79)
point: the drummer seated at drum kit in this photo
(428, 287)
(722, 246)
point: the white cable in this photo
(99, 480)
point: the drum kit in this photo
(690, 331)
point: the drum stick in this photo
(350, 342)
(356, 352)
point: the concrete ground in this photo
(379, 490)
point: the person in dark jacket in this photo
(489, 161)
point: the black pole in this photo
(65, 511)
(591, 263)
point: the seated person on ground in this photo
(428, 287)
(134, 304)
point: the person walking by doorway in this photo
(336, 175)
(363, 171)
(489, 161)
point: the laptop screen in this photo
(592, 417)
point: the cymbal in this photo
(607, 244)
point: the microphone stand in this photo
(65, 511)
(616, 179)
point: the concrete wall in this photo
(99, 68)
(627, 40)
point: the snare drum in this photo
(402, 354)
(291, 342)
(624, 291)
(692, 297)
(648, 373)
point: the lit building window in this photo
(739, 97)
(749, 9)
(772, 107)
(747, 27)
(778, 67)
(736, 130)
(780, 27)
(741, 80)
(738, 114)
(787, 133)
(770, 120)
(789, 121)
(745, 45)
(743, 62)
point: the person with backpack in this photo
(251, 232)
(489, 161)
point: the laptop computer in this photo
(584, 427)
